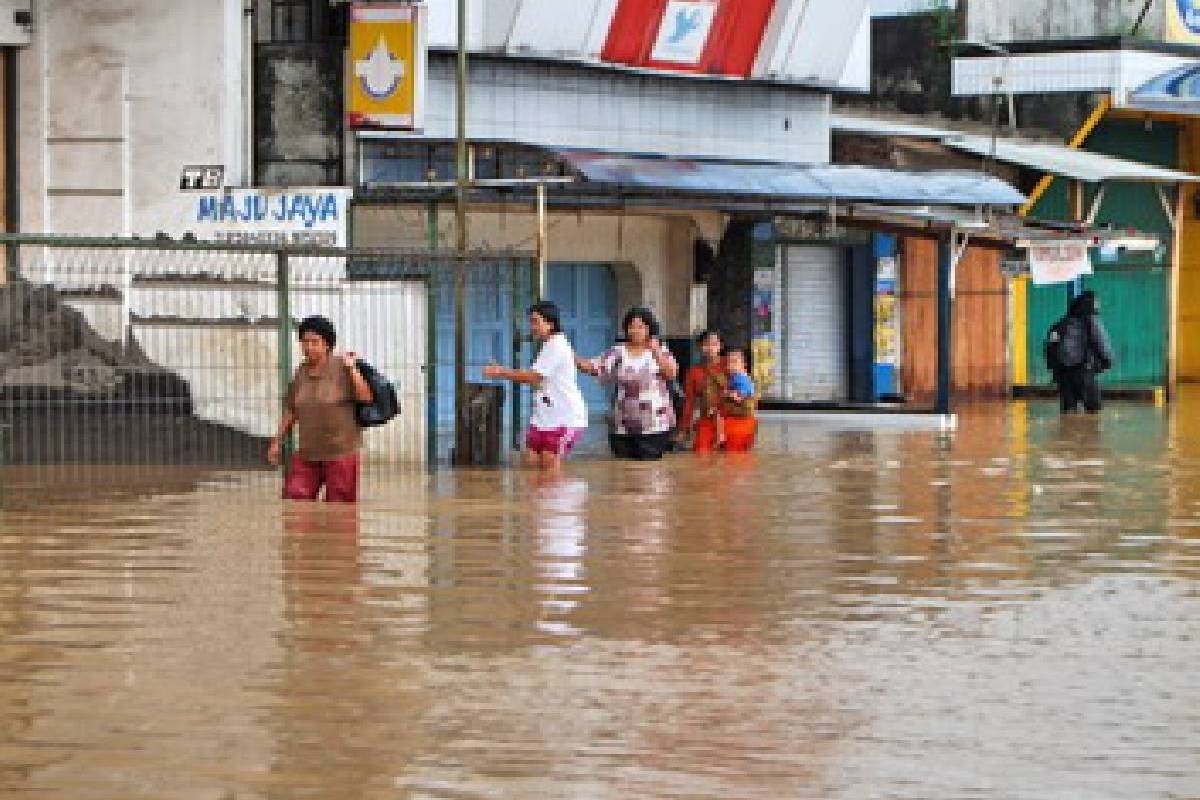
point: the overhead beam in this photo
(1168, 206)
(1096, 201)
(1075, 142)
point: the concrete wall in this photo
(653, 255)
(1023, 20)
(115, 97)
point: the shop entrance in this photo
(586, 294)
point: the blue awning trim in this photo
(816, 182)
(1176, 91)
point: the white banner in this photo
(1060, 262)
(274, 217)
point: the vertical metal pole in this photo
(945, 251)
(1075, 208)
(431, 342)
(283, 308)
(540, 274)
(1173, 296)
(522, 287)
(460, 220)
(12, 158)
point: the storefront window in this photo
(395, 162)
(302, 21)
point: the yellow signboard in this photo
(1183, 21)
(385, 77)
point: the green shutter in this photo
(1132, 290)
(1046, 305)
(1133, 308)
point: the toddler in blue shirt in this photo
(741, 386)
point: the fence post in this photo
(462, 437)
(431, 332)
(12, 262)
(515, 273)
(431, 369)
(283, 310)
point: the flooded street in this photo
(1008, 611)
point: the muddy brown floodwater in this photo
(1011, 611)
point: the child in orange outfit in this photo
(740, 389)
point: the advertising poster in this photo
(762, 341)
(386, 66)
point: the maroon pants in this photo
(339, 477)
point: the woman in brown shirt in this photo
(321, 398)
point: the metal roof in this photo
(879, 126)
(1058, 159)
(635, 173)
(1049, 157)
(1175, 91)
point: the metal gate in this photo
(165, 352)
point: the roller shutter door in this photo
(811, 286)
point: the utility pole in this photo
(460, 224)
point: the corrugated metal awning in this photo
(1057, 159)
(881, 126)
(820, 182)
(1047, 157)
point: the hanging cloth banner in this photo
(1059, 262)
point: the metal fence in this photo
(165, 352)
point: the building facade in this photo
(138, 118)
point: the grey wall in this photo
(556, 104)
(298, 114)
(910, 73)
(1017, 20)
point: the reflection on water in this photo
(1003, 612)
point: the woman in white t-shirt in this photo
(559, 416)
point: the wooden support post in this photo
(945, 350)
(1173, 297)
(1076, 141)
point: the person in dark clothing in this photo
(1087, 352)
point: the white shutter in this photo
(813, 343)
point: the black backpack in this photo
(384, 405)
(1066, 343)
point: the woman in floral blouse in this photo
(640, 368)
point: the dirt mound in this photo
(49, 351)
(68, 395)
